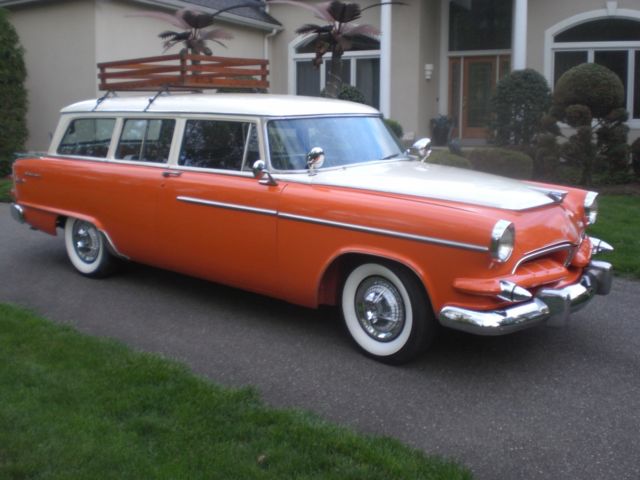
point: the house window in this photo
(610, 42)
(480, 25)
(360, 68)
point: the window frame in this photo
(551, 47)
(351, 56)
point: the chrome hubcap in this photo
(380, 309)
(86, 241)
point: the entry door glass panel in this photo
(481, 80)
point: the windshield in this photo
(345, 141)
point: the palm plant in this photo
(336, 36)
(193, 23)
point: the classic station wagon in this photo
(314, 202)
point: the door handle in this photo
(171, 173)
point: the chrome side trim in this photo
(228, 206)
(556, 247)
(382, 231)
(331, 223)
(112, 246)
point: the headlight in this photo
(591, 207)
(503, 238)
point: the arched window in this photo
(360, 68)
(612, 42)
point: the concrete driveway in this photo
(548, 403)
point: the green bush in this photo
(519, 103)
(635, 156)
(395, 127)
(590, 99)
(13, 96)
(501, 161)
(443, 157)
(592, 85)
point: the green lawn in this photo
(5, 186)
(72, 406)
(619, 224)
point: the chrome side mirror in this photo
(421, 149)
(315, 159)
(259, 169)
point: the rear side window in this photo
(219, 144)
(146, 140)
(88, 137)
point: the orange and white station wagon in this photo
(314, 202)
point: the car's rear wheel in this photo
(387, 312)
(86, 248)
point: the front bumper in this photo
(17, 212)
(549, 305)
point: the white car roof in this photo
(257, 104)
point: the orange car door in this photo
(215, 220)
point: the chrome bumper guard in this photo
(17, 212)
(549, 305)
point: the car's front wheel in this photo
(86, 248)
(387, 312)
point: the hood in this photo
(435, 182)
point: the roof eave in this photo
(172, 4)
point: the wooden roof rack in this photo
(183, 72)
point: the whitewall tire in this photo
(387, 312)
(86, 248)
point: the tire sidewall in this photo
(90, 269)
(377, 349)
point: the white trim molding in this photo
(386, 20)
(584, 17)
(519, 35)
(611, 11)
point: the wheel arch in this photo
(62, 217)
(336, 270)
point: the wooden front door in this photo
(473, 82)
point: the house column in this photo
(519, 35)
(385, 60)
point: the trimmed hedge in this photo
(519, 103)
(13, 95)
(501, 161)
(591, 85)
(443, 157)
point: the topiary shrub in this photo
(443, 157)
(13, 96)
(395, 127)
(592, 85)
(590, 98)
(501, 161)
(635, 156)
(520, 101)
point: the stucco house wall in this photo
(59, 45)
(64, 40)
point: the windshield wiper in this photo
(393, 155)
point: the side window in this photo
(88, 137)
(219, 144)
(145, 140)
